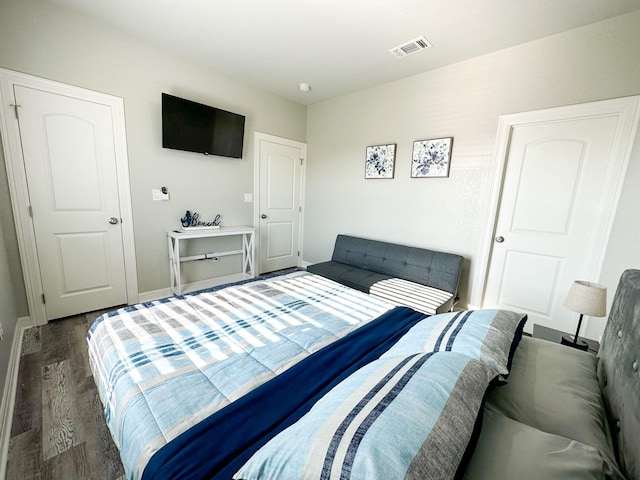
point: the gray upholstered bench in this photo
(416, 277)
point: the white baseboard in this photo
(191, 287)
(10, 388)
(154, 295)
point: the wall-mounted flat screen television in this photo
(194, 127)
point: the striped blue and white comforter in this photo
(163, 366)
(401, 417)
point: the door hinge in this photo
(15, 109)
(30, 211)
(299, 209)
(43, 299)
(298, 252)
(301, 161)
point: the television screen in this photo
(195, 127)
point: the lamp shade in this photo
(587, 298)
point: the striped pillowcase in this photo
(489, 335)
(410, 294)
(395, 418)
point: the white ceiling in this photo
(340, 46)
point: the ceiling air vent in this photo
(411, 47)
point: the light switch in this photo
(248, 197)
(158, 196)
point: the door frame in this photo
(257, 137)
(18, 188)
(628, 110)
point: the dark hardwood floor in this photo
(58, 429)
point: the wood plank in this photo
(61, 426)
(79, 351)
(71, 464)
(56, 344)
(103, 455)
(31, 341)
(24, 459)
(27, 412)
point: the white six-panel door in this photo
(557, 203)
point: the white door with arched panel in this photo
(561, 183)
(70, 164)
(279, 209)
(68, 176)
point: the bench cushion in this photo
(435, 269)
(554, 388)
(421, 298)
(348, 275)
(510, 449)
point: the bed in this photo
(297, 376)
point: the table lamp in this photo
(585, 298)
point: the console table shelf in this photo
(174, 237)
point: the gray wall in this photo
(8, 315)
(10, 276)
(14, 267)
(464, 100)
(47, 40)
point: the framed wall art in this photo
(380, 161)
(431, 158)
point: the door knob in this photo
(499, 239)
(113, 221)
(263, 216)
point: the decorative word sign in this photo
(193, 220)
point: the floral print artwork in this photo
(380, 161)
(431, 158)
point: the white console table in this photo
(174, 237)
